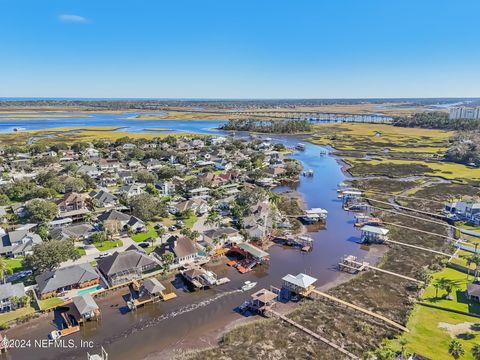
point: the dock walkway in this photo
(365, 311)
(313, 334)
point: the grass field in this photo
(12, 315)
(143, 236)
(81, 251)
(428, 339)
(14, 264)
(459, 300)
(447, 170)
(50, 303)
(377, 137)
(190, 221)
(107, 245)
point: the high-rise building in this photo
(463, 112)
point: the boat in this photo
(55, 334)
(300, 146)
(19, 129)
(248, 285)
(308, 173)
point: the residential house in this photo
(52, 283)
(18, 243)
(9, 291)
(72, 205)
(197, 205)
(131, 190)
(103, 199)
(117, 221)
(122, 267)
(473, 292)
(182, 248)
(217, 238)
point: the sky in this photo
(239, 48)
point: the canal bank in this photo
(197, 319)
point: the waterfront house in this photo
(9, 292)
(18, 243)
(301, 284)
(123, 267)
(53, 283)
(373, 234)
(182, 248)
(217, 238)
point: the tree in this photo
(4, 269)
(147, 207)
(41, 211)
(475, 259)
(168, 259)
(456, 349)
(99, 237)
(476, 352)
(50, 254)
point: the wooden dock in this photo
(313, 334)
(419, 248)
(365, 311)
(350, 263)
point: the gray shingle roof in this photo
(9, 290)
(153, 286)
(85, 303)
(123, 261)
(76, 274)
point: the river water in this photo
(193, 317)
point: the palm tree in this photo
(456, 349)
(469, 262)
(476, 351)
(442, 284)
(475, 259)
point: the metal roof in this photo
(301, 280)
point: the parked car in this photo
(144, 245)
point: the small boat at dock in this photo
(55, 334)
(248, 285)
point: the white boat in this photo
(300, 146)
(55, 334)
(248, 285)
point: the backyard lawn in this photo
(107, 245)
(81, 251)
(14, 264)
(143, 236)
(432, 330)
(50, 303)
(192, 219)
(12, 315)
(459, 299)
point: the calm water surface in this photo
(136, 335)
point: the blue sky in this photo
(239, 49)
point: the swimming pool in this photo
(89, 290)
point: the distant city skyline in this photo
(239, 50)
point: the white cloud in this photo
(69, 18)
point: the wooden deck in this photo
(365, 311)
(313, 334)
(70, 330)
